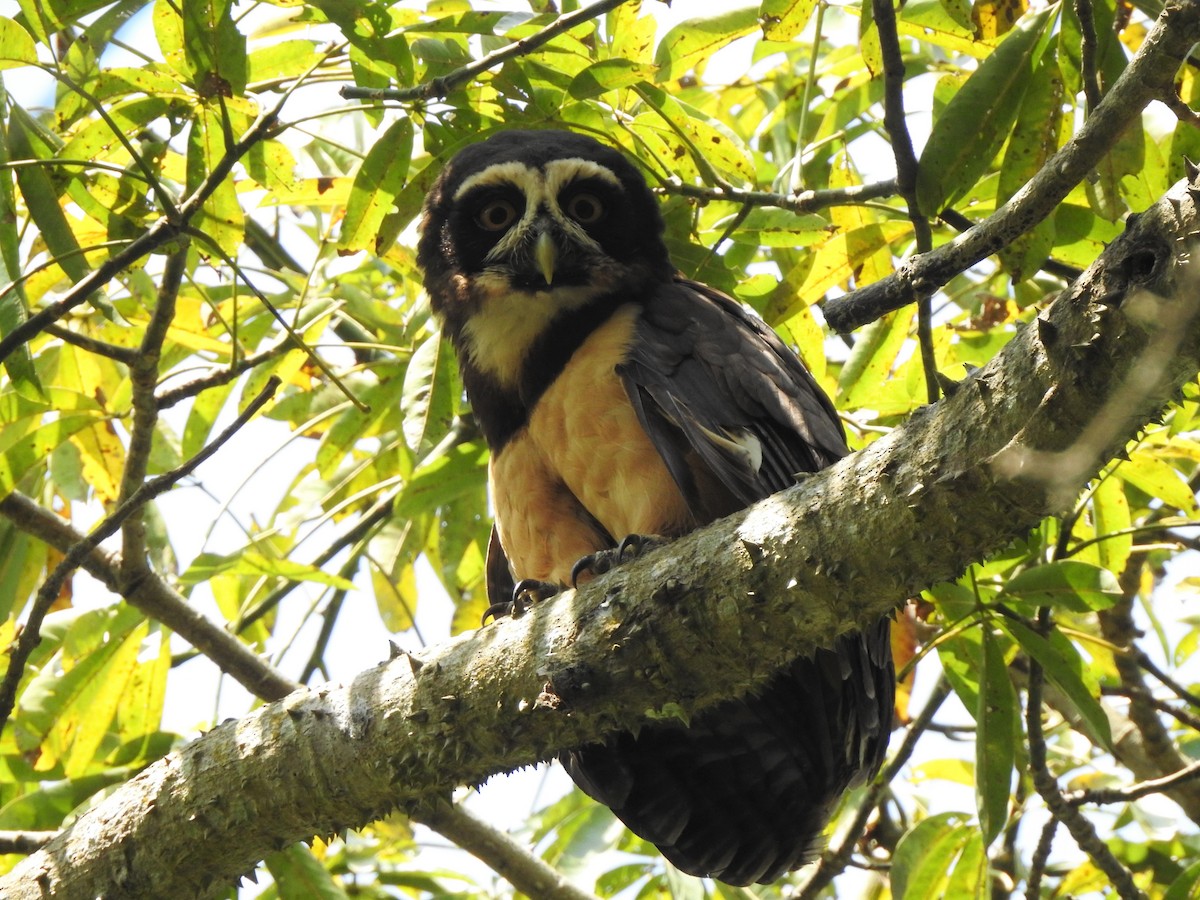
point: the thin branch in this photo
(961, 223)
(1081, 828)
(802, 202)
(511, 860)
(91, 345)
(437, 88)
(153, 596)
(1041, 855)
(25, 841)
(1182, 716)
(1135, 791)
(143, 377)
(1087, 53)
(1118, 627)
(1149, 76)
(224, 375)
(30, 635)
(906, 177)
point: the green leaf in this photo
(427, 404)
(32, 450)
(16, 45)
(781, 228)
(1110, 510)
(1157, 478)
(214, 48)
(972, 128)
(783, 20)
(690, 43)
(25, 142)
(66, 714)
(1186, 886)
(13, 303)
(221, 217)
(926, 856)
(693, 133)
(996, 724)
(299, 875)
(441, 481)
(608, 75)
(1063, 666)
(253, 562)
(1067, 584)
(378, 180)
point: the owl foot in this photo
(631, 547)
(527, 592)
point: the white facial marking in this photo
(498, 337)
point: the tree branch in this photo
(83, 549)
(1149, 76)
(788, 575)
(437, 88)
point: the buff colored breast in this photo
(583, 456)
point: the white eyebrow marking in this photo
(515, 173)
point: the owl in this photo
(625, 405)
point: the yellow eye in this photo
(497, 215)
(585, 208)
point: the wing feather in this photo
(706, 376)
(743, 793)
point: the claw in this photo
(527, 592)
(631, 547)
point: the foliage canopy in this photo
(200, 237)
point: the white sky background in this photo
(239, 487)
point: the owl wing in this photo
(744, 792)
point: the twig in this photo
(1135, 791)
(803, 202)
(1087, 53)
(143, 377)
(834, 861)
(1148, 76)
(1182, 716)
(25, 841)
(526, 872)
(224, 375)
(153, 596)
(30, 635)
(1081, 828)
(90, 345)
(436, 88)
(906, 177)
(1041, 855)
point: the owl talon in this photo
(631, 547)
(527, 592)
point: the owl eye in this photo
(586, 209)
(497, 215)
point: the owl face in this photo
(530, 225)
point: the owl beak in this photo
(546, 254)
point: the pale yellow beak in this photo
(546, 254)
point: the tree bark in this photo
(708, 617)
